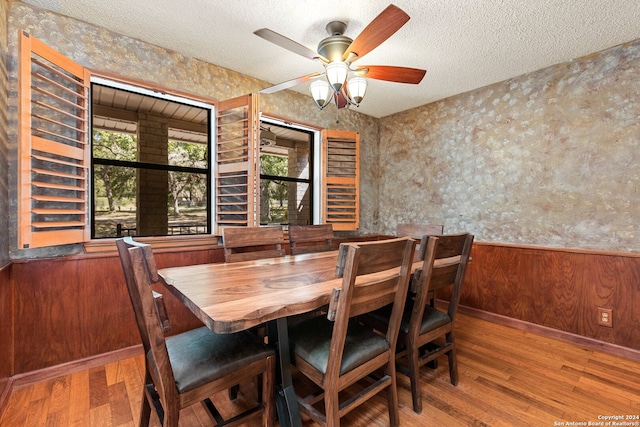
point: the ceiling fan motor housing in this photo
(334, 46)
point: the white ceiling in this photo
(463, 44)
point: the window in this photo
(150, 164)
(88, 167)
(287, 173)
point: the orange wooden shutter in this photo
(341, 179)
(54, 155)
(237, 166)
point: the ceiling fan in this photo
(342, 81)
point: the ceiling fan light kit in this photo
(341, 82)
(337, 78)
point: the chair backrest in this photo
(375, 274)
(418, 233)
(140, 273)
(304, 239)
(250, 243)
(445, 264)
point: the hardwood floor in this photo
(508, 377)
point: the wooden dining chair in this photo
(189, 367)
(425, 331)
(251, 243)
(336, 352)
(417, 232)
(304, 239)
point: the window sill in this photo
(158, 243)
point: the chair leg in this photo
(171, 415)
(453, 363)
(414, 375)
(332, 409)
(392, 397)
(426, 349)
(266, 392)
(145, 411)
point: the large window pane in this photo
(150, 165)
(286, 160)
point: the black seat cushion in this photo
(311, 340)
(431, 319)
(199, 356)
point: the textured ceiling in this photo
(463, 44)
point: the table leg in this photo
(286, 403)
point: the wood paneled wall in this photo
(6, 328)
(72, 308)
(77, 307)
(556, 288)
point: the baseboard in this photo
(29, 378)
(590, 343)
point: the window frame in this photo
(123, 85)
(315, 180)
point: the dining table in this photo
(231, 297)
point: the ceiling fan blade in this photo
(290, 83)
(381, 28)
(392, 74)
(286, 43)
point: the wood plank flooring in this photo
(508, 377)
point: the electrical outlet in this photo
(605, 317)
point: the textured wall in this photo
(4, 144)
(549, 158)
(102, 50)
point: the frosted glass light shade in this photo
(320, 92)
(336, 74)
(357, 86)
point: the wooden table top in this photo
(230, 297)
(236, 296)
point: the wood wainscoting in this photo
(560, 289)
(72, 308)
(77, 307)
(6, 331)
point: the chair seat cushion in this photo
(431, 319)
(311, 340)
(199, 356)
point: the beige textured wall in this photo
(4, 144)
(99, 49)
(550, 158)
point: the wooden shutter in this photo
(54, 155)
(341, 179)
(237, 162)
